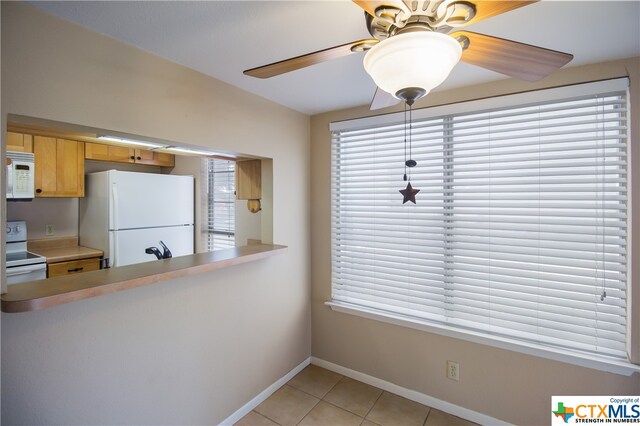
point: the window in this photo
(520, 228)
(220, 204)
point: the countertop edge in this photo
(33, 296)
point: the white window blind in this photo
(520, 226)
(221, 204)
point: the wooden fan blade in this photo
(488, 8)
(304, 61)
(382, 99)
(519, 60)
(370, 6)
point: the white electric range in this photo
(22, 265)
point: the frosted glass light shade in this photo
(418, 59)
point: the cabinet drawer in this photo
(73, 267)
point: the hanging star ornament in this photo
(409, 193)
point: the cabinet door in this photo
(153, 158)
(59, 167)
(249, 180)
(45, 157)
(19, 142)
(102, 152)
(70, 168)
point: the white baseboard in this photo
(427, 400)
(246, 408)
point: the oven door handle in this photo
(21, 270)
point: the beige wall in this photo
(510, 386)
(247, 224)
(187, 351)
(62, 213)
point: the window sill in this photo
(43, 294)
(566, 356)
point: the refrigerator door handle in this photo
(114, 205)
(114, 217)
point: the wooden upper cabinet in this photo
(59, 167)
(154, 158)
(249, 180)
(19, 142)
(102, 152)
(123, 154)
(144, 156)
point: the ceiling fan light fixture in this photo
(421, 59)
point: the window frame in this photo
(209, 233)
(514, 100)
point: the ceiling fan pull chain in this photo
(405, 142)
(410, 162)
(409, 193)
(410, 132)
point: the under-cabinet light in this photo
(191, 151)
(132, 142)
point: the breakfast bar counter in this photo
(43, 294)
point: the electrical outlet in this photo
(49, 230)
(453, 370)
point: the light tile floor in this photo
(316, 396)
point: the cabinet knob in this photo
(138, 158)
(38, 191)
(132, 157)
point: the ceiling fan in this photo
(415, 45)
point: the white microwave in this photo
(20, 176)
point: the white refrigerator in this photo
(124, 213)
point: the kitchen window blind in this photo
(520, 226)
(221, 204)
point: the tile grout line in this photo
(307, 393)
(428, 414)
(349, 411)
(334, 385)
(319, 399)
(374, 404)
(346, 409)
(343, 409)
(314, 406)
(342, 377)
(266, 417)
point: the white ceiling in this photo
(223, 38)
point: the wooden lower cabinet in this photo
(73, 267)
